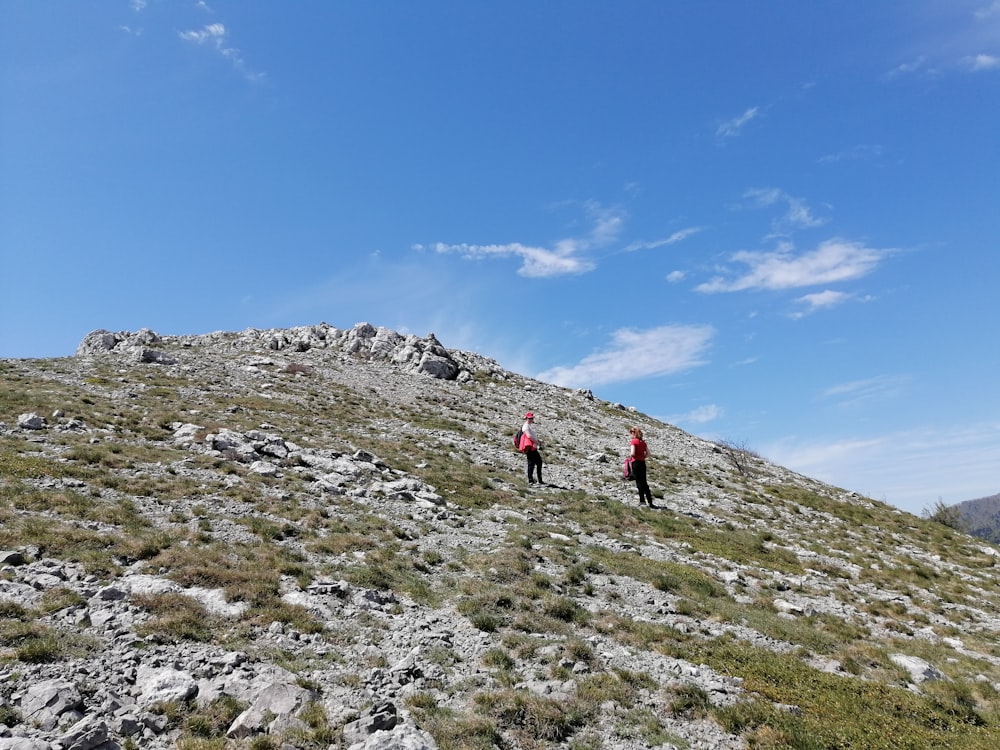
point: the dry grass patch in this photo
(23, 638)
(101, 553)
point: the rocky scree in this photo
(416, 592)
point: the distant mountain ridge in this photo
(981, 517)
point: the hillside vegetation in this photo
(340, 514)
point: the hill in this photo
(321, 538)
(981, 517)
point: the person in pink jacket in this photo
(530, 445)
(639, 452)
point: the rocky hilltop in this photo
(323, 538)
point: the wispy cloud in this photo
(834, 260)
(214, 35)
(213, 32)
(820, 301)
(854, 153)
(959, 41)
(566, 256)
(537, 262)
(911, 469)
(858, 392)
(979, 63)
(633, 355)
(700, 415)
(673, 239)
(908, 68)
(797, 213)
(988, 11)
(733, 127)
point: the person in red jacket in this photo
(529, 447)
(639, 451)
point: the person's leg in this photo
(639, 469)
(534, 466)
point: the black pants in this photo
(639, 472)
(534, 462)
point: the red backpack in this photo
(627, 474)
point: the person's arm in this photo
(631, 449)
(528, 430)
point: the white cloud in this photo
(214, 35)
(211, 32)
(859, 392)
(834, 260)
(562, 259)
(819, 301)
(700, 415)
(733, 127)
(633, 355)
(538, 262)
(675, 276)
(854, 153)
(676, 237)
(910, 469)
(797, 214)
(907, 68)
(993, 9)
(979, 63)
(608, 225)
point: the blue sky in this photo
(775, 223)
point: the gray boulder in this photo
(277, 701)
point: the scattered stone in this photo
(31, 422)
(369, 648)
(920, 671)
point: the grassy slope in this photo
(893, 577)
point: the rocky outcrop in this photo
(425, 356)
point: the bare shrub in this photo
(739, 455)
(946, 515)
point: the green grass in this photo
(101, 499)
(24, 639)
(832, 711)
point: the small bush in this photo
(946, 515)
(535, 716)
(215, 718)
(176, 618)
(565, 609)
(497, 658)
(688, 701)
(739, 456)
